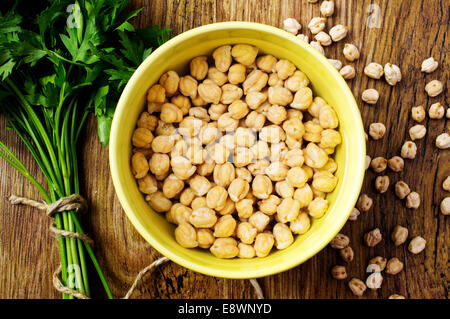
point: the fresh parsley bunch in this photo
(58, 63)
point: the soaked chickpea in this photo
(242, 156)
(199, 67)
(259, 220)
(244, 53)
(186, 197)
(237, 73)
(277, 171)
(159, 164)
(255, 81)
(172, 186)
(266, 63)
(262, 186)
(170, 113)
(216, 197)
(280, 96)
(210, 92)
(317, 207)
(284, 189)
(225, 248)
(255, 99)
(205, 238)
(288, 210)
(186, 236)
(238, 189)
(244, 208)
(147, 184)
(293, 158)
(269, 206)
(263, 244)
(222, 58)
(230, 93)
(284, 69)
(238, 109)
(315, 157)
(158, 202)
(142, 137)
(301, 224)
(304, 195)
(324, 181)
(282, 235)
(203, 217)
(139, 165)
(226, 122)
(246, 251)
(224, 174)
(219, 78)
(225, 226)
(303, 99)
(156, 94)
(178, 214)
(188, 86)
(276, 114)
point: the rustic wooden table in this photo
(408, 32)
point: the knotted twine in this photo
(76, 202)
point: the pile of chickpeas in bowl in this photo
(237, 153)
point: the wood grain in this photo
(409, 32)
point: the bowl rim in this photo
(271, 269)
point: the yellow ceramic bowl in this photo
(325, 82)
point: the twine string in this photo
(77, 203)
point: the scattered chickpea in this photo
(316, 45)
(418, 113)
(446, 184)
(396, 163)
(382, 184)
(417, 245)
(394, 266)
(338, 32)
(348, 72)
(373, 237)
(392, 74)
(413, 200)
(323, 38)
(336, 63)
(364, 203)
(374, 70)
(316, 25)
(409, 150)
(354, 214)
(399, 235)
(368, 160)
(417, 132)
(303, 37)
(436, 111)
(443, 141)
(340, 241)
(370, 96)
(327, 8)
(374, 280)
(351, 52)
(377, 130)
(339, 272)
(378, 164)
(357, 286)
(434, 88)
(445, 206)
(379, 261)
(347, 254)
(291, 25)
(402, 189)
(429, 65)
